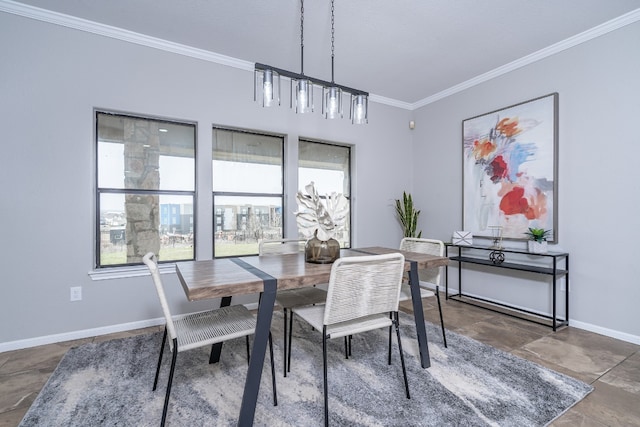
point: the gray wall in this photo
(51, 80)
(599, 202)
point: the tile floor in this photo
(611, 366)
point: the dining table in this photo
(224, 278)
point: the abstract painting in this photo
(510, 169)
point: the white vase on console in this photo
(536, 247)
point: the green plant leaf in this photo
(537, 234)
(407, 215)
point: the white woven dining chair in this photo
(428, 277)
(289, 298)
(200, 329)
(363, 291)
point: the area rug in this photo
(468, 384)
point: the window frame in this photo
(350, 174)
(281, 196)
(109, 190)
(289, 169)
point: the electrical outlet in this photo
(76, 293)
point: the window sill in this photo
(127, 272)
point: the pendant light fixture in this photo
(267, 85)
(269, 81)
(359, 109)
(303, 86)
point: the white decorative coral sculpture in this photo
(326, 218)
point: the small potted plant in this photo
(537, 243)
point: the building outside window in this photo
(145, 189)
(329, 167)
(248, 190)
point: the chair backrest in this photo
(363, 285)
(150, 260)
(280, 246)
(425, 246)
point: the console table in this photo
(473, 255)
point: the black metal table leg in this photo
(252, 384)
(418, 315)
(216, 349)
(263, 329)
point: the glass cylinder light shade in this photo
(359, 109)
(303, 95)
(332, 102)
(267, 87)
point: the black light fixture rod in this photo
(302, 37)
(332, 81)
(333, 37)
(319, 82)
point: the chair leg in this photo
(248, 352)
(273, 371)
(173, 368)
(404, 369)
(444, 336)
(164, 340)
(324, 367)
(390, 327)
(346, 347)
(290, 341)
(284, 350)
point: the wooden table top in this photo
(223, 277)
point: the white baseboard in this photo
(622, 336)
(76, 335)
(88, 333)
(123, 327)
(252, 305)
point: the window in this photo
(328, 166)
(145, 189)
(247, 190)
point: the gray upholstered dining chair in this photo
(289, 298)
(429, 277)
(363, 295)
(200, 329)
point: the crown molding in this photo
(120, 34)
(390, 101)
(600, 30)
(56, 18)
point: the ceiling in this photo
(404, 51)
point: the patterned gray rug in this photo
(468, 384)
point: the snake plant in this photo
(407, 215)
